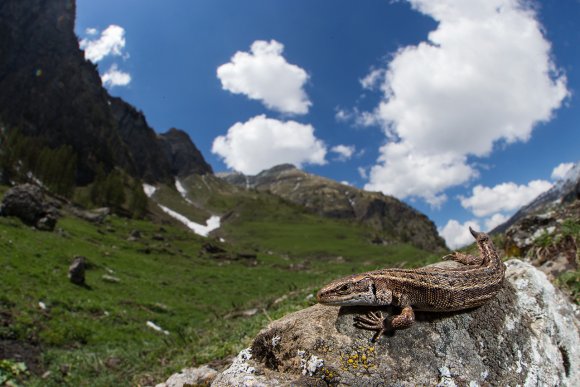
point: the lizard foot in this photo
(373, 321)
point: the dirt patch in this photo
(24, 352)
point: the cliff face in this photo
(184, 157)
(148, 157)
(48, 90)
(392, 219)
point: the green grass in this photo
(98, 335)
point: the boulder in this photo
(528, 335)
(28, 203)
(200, 376)
(76, 271)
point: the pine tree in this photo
(139, 200)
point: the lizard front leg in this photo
(375, 321)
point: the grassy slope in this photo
(100, 333)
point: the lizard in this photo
(430, 289)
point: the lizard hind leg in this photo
(463, 258)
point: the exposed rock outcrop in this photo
(183, 156)
(549, 240)
(390, 217)
(28, 203)
(151, 162)
(76, 271)
(527, 335)
(200, 376)
(564, 192)
(49, 91)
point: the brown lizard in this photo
(433, 289)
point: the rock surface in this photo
(200, 376)
(528, 335)
(48, 90)
(76, 271)
(565, 191)
(392, 219)
(183, 156)
(28, 203)
(548, 240)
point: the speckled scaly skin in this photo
(424, 289)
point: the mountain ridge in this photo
(565, 191)
(48, 90)
(389, 217)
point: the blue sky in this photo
(465, 110)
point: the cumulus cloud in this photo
(344, 152)
(503, 197)
(115, 77)
(373, 79)
(91, 31)
(261, 143)
(110, 42)
(485, 75)
(561, 170)
(404, 172)
(264, 74)
(362, 171)
(457, 235)
(357, 117)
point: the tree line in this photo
(29, 159)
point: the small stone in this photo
(110, 279)
(76, 271)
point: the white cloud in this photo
(344, 152)
(111, 42)
(561, 170)
(503, 197)
(485, 75)
(404, 173)
(360, 119)
(264, 74)
(495, 220)
(342, 115)
(362, 172)
(456, 234)
(261, 143)
(373, 79)
(115, 77)
(91, 31)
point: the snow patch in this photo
(149, 189)
(212, 223)
(182, 191)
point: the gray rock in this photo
(96, 215)
(200, 376)
(528, 335)
(28, 203)
(76, 271)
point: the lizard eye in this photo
(344, 288)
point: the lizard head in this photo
(479, 236)
(358, 289)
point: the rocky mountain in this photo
(49, 91)
(391, 218)
(564, 192)
(546, 232)
(183, 156)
